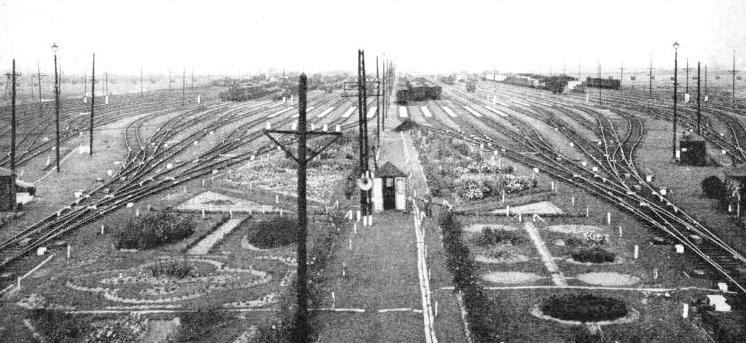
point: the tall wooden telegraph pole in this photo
(301, 332)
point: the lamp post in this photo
(56, 105)
(675, 97)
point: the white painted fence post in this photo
(637, 251)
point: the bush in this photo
(462, 267)
(594, 255)
(586, 336)
(200, 324)
(584, 308)
(462, 148)
(713, 188)
(58, 325)
(272, 233)
(490, 236)
(480, 186)
(153, 231)
(727, 327)
(172, 268)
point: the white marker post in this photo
(68, 251)
(620, 232)
(637, 251)
(608, 218)
(102, 229)
(685, 311)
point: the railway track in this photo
(610, 179)
(143, 174)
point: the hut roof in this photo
(389, 170)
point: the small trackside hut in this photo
(693, 150)
(389, 188)
(7, 190)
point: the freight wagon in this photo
(596, 82)
(243, 93)
(417, 90)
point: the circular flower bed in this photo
(584, 308)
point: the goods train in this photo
(555, 84)
(246, 92)
(598, 82)
(417, 90)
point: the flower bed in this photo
(271, 233)
(584, 307)
(453, 169)
(154, 230)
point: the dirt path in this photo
(546, 256)
(384, 267)
(208, 242)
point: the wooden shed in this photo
(693, 150)
(389, 188)
(7, 190)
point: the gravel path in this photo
(546, 257)
(207, 243)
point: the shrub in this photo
(594, 255)
(172, 268)
(713, 188)
(479, 186)
(462, 148)
(129, 329)
(490, 236)
(200, 324)
(272, 233)
(727, 327)
(462, 267)
(153, 231)
(58, 325)
(584, 307)
(586, 336)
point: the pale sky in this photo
(220, 36)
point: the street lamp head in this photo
(55, 47)
(676, 45)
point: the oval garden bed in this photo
(271, 233)
(594, 255)
(577, 309)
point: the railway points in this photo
(501, 205)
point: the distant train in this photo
(597, 82)
(417, 90)
(556, 84)
(243, 93)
